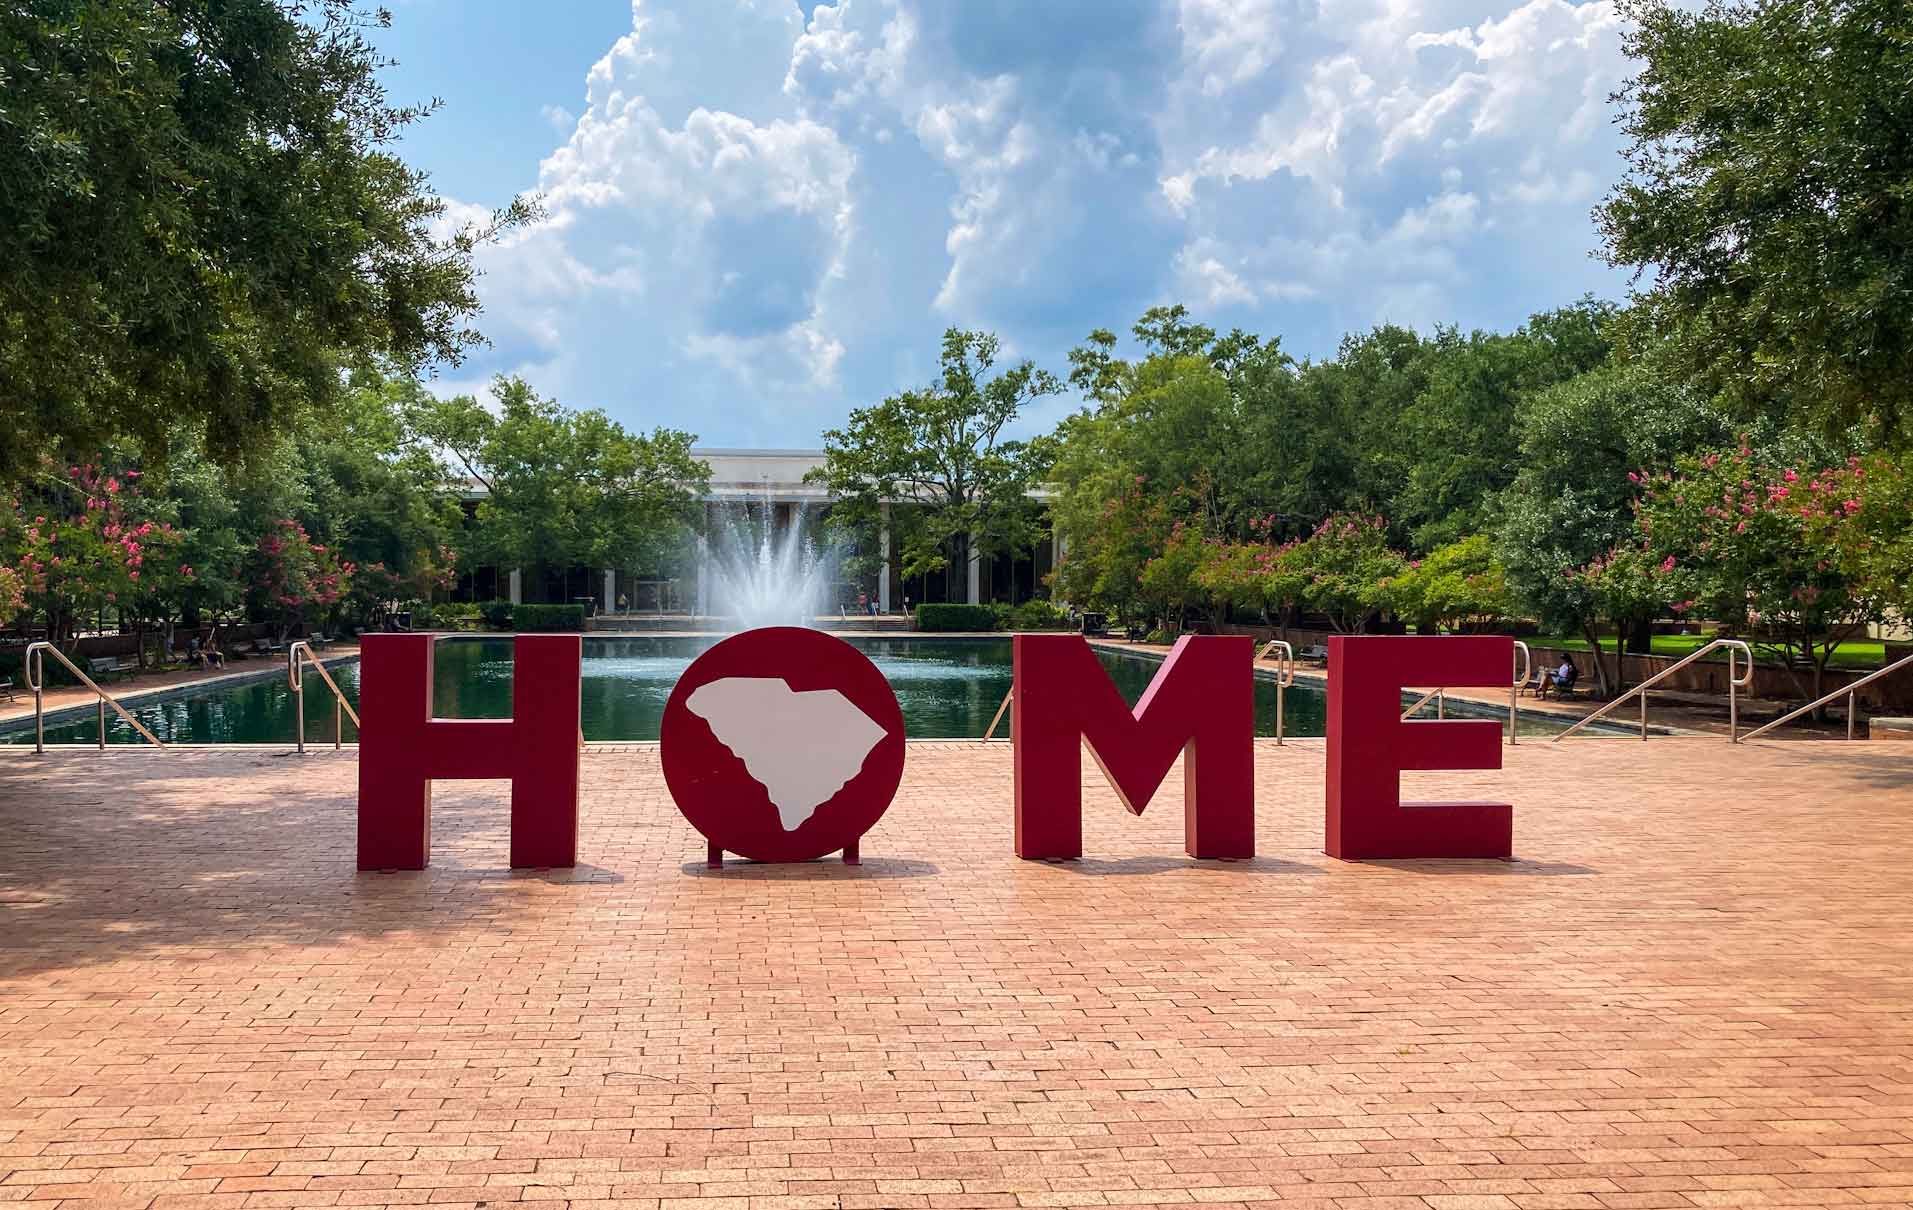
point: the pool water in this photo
(948, 688)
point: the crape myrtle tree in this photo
(1753, 543)
(956, 486)
(564, 487)
(201, 218)
(1766, 194)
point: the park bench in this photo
(7, 690)
(1316, 654)
(106, 667)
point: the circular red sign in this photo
(782, 744)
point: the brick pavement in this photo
(1694, 989)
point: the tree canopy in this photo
(1769, 197)
(941, 451)
(201, 220)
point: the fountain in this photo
(759, 575)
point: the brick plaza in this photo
(1695, 988)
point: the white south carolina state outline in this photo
(801, 747)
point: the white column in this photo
(883, 576)
(610, 590)
(976, 573)
(517, 588)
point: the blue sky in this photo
(764, 213)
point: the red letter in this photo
(1201, 702)
(1369, 745)
(402, 748)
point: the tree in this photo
(1767, 196)
(1460, 583)
(86, 539)
(201, 217)
(940, 452)
(1864, 514)
(1345, 568)
(1733, 537)
(1572, 498)
(291, 575)
(1458, 438)
(564, 487)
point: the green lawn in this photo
(1859, 653)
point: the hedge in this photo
(503, 615)
(956, 617)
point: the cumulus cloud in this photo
(759, 219)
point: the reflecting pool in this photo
(948, 688)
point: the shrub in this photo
(547, 617)
(446, 615)
(956, 617)
(496, 614)
(1035, 615)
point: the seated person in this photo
(1563, 678)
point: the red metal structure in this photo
(1369, 745)
(402, 748)
(844, 700)
(1202, 702)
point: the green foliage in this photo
(561, 618)
(1864, 515)
(1344, 569)
(445, 615)
(1034, 614)
(1461, 583)
(1572, 498)
(1767, 193)
(496, 614)
(87, 539)
(1230, 435)
(202, 219)
(1733, 537)
(955, 617)
(937, 459)
(565, 487)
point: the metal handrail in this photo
(35, 672)
(1284, 677)
(1438, 696)
(1846, 691)
(1514, 693)
(295, 677)
(1733, 682)
(990, 731)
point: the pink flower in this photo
(1791, 477)
(1668, 564)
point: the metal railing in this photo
(1514, 693)
(295, 677)
(1734, 683)
(1284, 677)
(35, 672)
(990, 731)
(1846, 691)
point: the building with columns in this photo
(760, 481)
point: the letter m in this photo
(1201, 706)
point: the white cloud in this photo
(758, 221)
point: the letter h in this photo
(402, 748)
(1201, 705)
